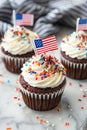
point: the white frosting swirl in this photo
(75, 45)
(18, 40)
(43, 71)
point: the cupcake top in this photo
(75, 45)
(18, 40)
(43, 71)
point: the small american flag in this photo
(82, 24)
(24, 19)
(45, 44)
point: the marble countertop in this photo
(71, 114)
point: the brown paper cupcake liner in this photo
(13, 64)
(75, 70)
(41, 102)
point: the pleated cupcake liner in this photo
(41, 102)
(13, 64)
(75, 70)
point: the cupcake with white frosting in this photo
(42, 82)
(74, 55)
(17, 47)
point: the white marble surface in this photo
(16, 116)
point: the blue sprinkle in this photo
(28, 42)
(31, 72)
(26, 64)
(42, 63)
(56, 66)
(86, 54)
(76, 36)
(22, 42)
(28, 60)
(23, 36)
(13, 35)
(19, 105)
(44, 75)
(78, 48)
(8, 81)
(42, 58)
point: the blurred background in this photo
(49, 15)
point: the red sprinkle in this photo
(18, 99)
(80, 85)
(79, 100)
(57, 110)
(67, 123)
(17, 81)
(70, 84)
(42, 78)
(15, 97)
(82, 107)
(84, 96)
(36, 78)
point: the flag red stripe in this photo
(49, 44)
(27, 19)
(49, 39)
(53, 41)
(82, 26)
(46, 50)
(42, 51)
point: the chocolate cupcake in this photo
(74, 55)
(17, 47)
(42, 82)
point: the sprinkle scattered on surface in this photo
(84, 96)
(80, 100)
(57, 110)
(18, 90)
(37, 117)
(8, 81)
(1, 81)
(82, 107)
(44, 121)
(80, 85)
(67, 124)
(70, 84)
(17, 81)
(8, 128)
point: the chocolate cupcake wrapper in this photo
(46, 101)
(13, 64)
(39, 95)
(75, 70)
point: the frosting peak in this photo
(18, 40)
(43, 71)
(75, 45)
